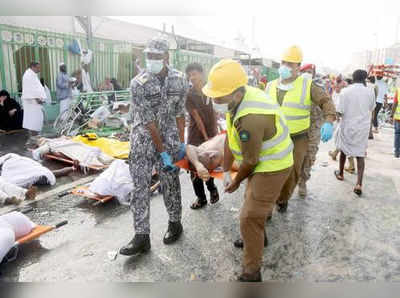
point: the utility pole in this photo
(86, 24)
(253, 29)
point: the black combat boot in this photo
(239, 242)
(139, 244)
(173, 233)
(282, 207)
(247, 277)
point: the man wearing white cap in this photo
(63, 88)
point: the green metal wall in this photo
(181, 58)
(19, 46)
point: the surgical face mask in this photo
(221, 108)
(154, 66)
(285, 72)
(307, 76)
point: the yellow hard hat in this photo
(293, 54)
(225, 77)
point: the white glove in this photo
(227, 179)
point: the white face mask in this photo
(307, 76)
(154, 66)
(221, 108)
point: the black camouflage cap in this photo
(157, 45)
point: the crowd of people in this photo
(35, 93)
(273, 131)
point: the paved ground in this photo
(330, 236)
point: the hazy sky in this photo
(329, 32)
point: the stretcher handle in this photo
(60, 224)
(12, 253)
(24, 210)
(63, 194)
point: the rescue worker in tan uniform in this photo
(314, 133)
(258, 138)
(295, 95)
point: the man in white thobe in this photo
(33, 97)
(355, 108)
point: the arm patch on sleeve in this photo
(244, 136)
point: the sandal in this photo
(357, 190)
(214, 196)
(198, 204)
(338, 176)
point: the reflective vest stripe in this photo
(300, 105)
(276, 153)
(257, 105)
(397, 112)
(296, 117)
(296, 104)
(304, 91)
(279, 155)
(271, 143)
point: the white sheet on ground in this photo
(115, 181)
(86, 155)
(23, 171)
(7, 240)
(20, 223)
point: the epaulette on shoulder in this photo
(142, 78)
(178, 73)
(319, 83)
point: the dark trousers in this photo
(377, 109)
(198, 186)
(397, 137)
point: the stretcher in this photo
(38, 231)
(67, 160)
(8, 132)
(84, 192)
(184, 164)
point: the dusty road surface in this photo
(332, 235)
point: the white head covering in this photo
(59, 65)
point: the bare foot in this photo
(338, 176)
(31, 193)
(75, 165)
(13, 201)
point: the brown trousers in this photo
(299, 153)
(262, 191)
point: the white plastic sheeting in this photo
(23, 171)
(115, 181)
(19, 222)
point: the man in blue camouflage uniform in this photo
(314, 133)
(157, 139)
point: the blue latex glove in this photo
(182, 151)
(326, 132)
(167, 162)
